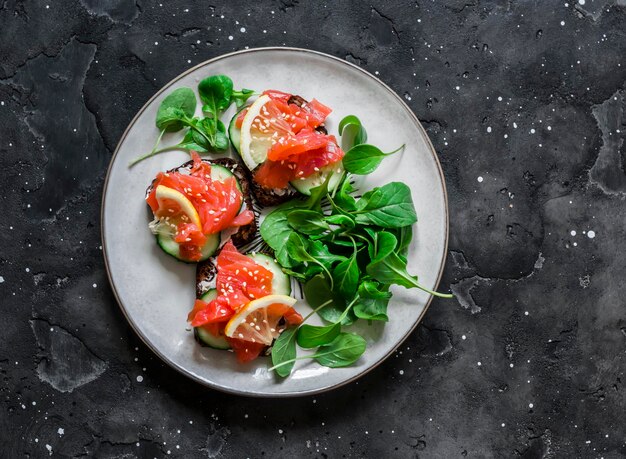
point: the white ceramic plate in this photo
(156, 292)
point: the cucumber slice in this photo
(171, 247)
(281, 282)
(221, 173)
(306, 184)
(234, 132)
(205, 337)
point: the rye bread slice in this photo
(271, 196)
(206, 276)
(244, 234)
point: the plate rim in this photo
(257, 394)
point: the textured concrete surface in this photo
(525, 103)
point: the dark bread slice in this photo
(206, 276)
(245, 234)
(272, 197)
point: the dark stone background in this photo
(528, 95)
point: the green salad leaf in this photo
(388, 206)
(204, 134)
(284, 350)
(344, 350)
(310, 336)
(352, 132)
(363, 159)
(175, 108)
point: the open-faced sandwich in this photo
(243, 302)
(282, 140)
(199, 205)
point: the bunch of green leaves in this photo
(202, 133)
(346, 251)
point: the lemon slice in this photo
(262, 126)
(173, 203)
(258, 320)
(254, 143)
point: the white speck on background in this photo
(242, 30)
(480, 179)
(573, 233)
(590, 234)
(230, 37)
(488, 128)
(95, 285)
(139, 378)
(514, 125)
(280, 431)
(49, 448)
(525, 313)
(401, 372)
(532, 131)
(500, 98)
(463, 337)
(479, 364)
(530, 405)
(562, 23)
(61, 431)
(1, 279)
